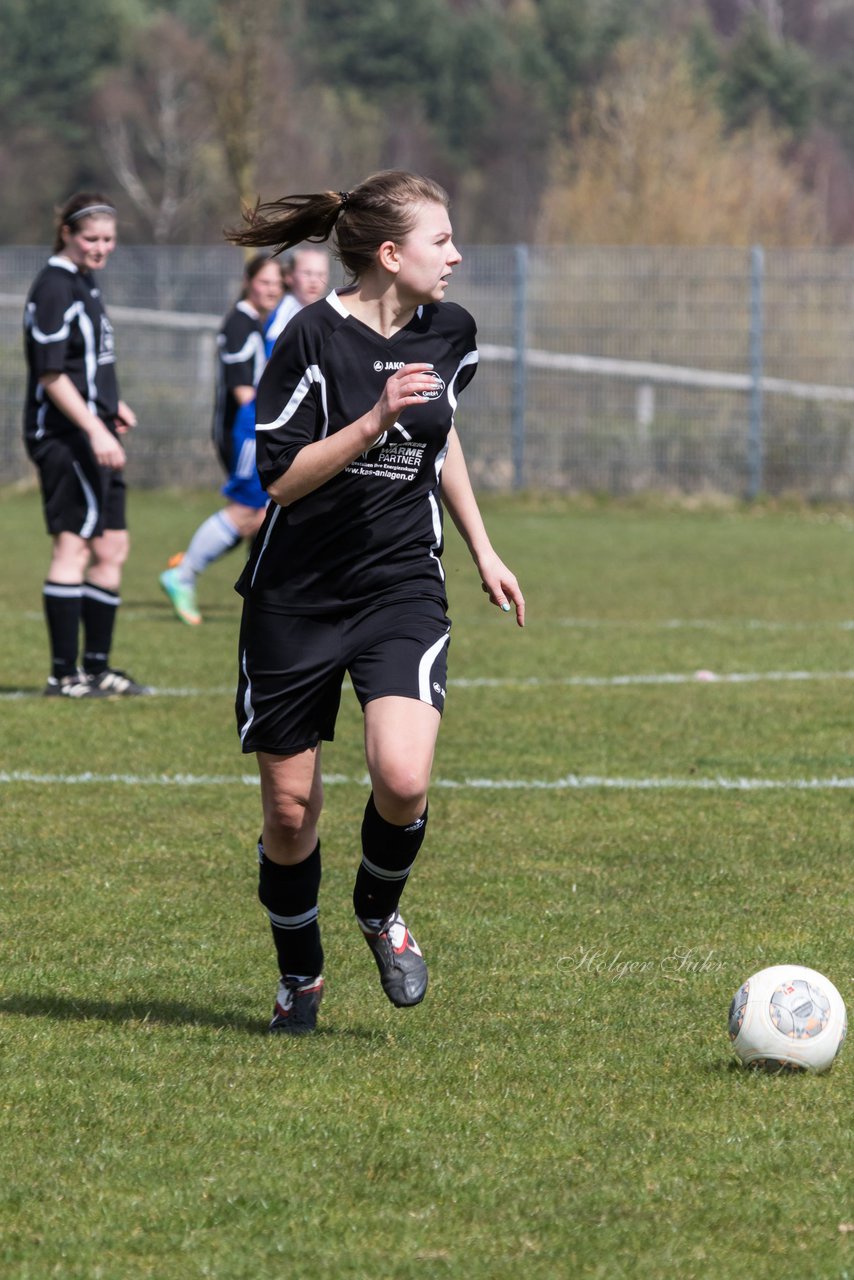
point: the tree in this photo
(153, 121)
(766, 74)
(651, 162)
(235, 85)
(51, 58)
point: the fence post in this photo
(520, 372)
(754, 439)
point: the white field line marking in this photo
(703, 624)
(599, 682)
(571, 782)
(547, 682)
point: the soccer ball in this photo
(787, 1018)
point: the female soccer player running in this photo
(357, 448)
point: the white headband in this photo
(90, 208)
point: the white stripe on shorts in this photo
(425, 666)
(248, 709)
(91, 503)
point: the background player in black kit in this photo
(261, 314)
(242, 354)
(72, 421)
(357, 449)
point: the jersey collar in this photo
(56, 260)
(337, 305)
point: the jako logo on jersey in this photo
(381, 366)
(434, 392)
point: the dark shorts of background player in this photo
(78, 495)
(292, 668)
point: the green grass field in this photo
(564, 1103)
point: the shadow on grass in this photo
(158, 1013)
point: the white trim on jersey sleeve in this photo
(247, 309)
(249, 350)
(471, 357)
(313, 374)
(45, 339)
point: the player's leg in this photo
(247, 519)
(70, 481)
(289, 871)
(62, 595)
(288, 692)
(101, 602)
(400, 738)
(400, 680)
(222, 531)
(213, 539)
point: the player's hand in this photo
(407, 386)
(125, 418)
(106, 448)
(502, 588)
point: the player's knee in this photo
(288, 816)
(70, 558)
(401, 794)
(119, 553)
(111, 551)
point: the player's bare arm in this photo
(126, 419)
(459, 500)
(63, 393)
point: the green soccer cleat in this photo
(182, 597)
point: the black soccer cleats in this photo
(403, 972)
(295, 1012)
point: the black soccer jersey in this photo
(66, 330)
(241, 360)
(374, 530)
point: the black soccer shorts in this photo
(78, 495)
(292, 668)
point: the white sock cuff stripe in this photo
(101, 594)
(62, 592)
(386, 873)
(293, 922)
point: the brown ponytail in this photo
(380, 208)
